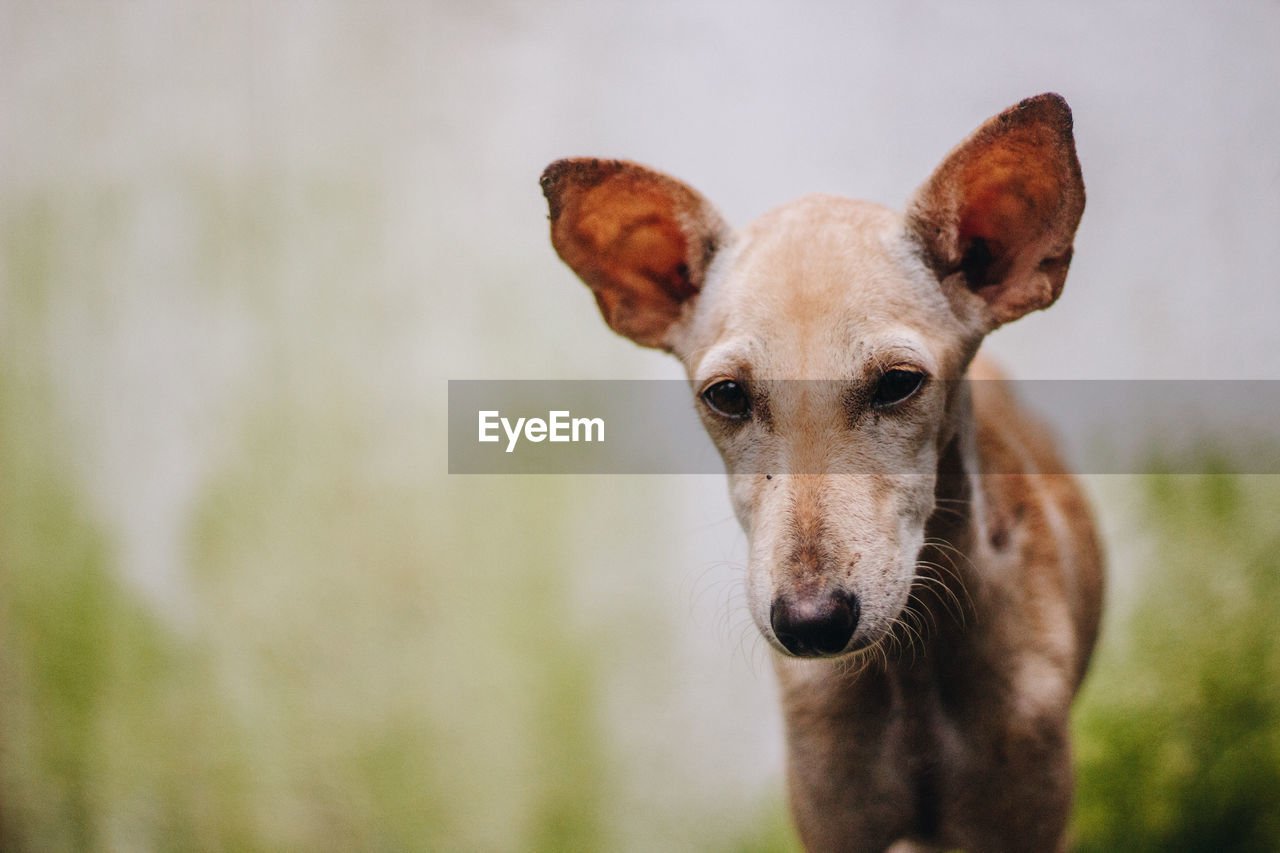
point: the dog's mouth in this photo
(856, 648)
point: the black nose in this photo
(814, 625)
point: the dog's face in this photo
(818, 350)
(822, 343)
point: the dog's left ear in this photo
(642, 241)
(996, 220)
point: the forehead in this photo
(818, 285)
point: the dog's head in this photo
(822, 340)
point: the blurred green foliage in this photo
(305, 706)
(1178, 730)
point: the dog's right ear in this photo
(640, 240)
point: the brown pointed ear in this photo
(640, 240)
(998, 217)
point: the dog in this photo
(929, 577)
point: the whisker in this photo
(954, 604)
(946, 547)
(711, 523)
(911, 621)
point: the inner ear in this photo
(977, 263)
(1002, 209)
(642, 241)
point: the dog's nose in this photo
(814, 626)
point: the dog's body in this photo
(934, 618)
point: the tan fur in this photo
(928, 559)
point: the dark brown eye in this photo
(895, 386)
(728, 399)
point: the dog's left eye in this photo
(728, 399)
(895, 386)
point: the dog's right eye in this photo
(728, 399)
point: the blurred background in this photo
(245, 244)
